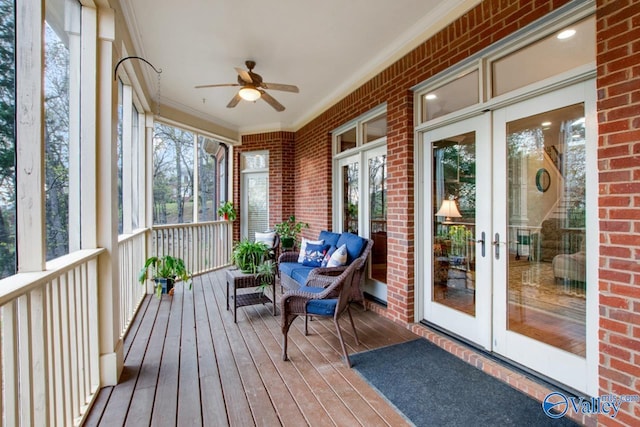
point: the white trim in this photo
(88, 129)
(30, 172)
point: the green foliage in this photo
(166, 267)
(290, 228)
(266, 273)
(248, 255)
(459, 235)
(226, 208)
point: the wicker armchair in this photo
(322, 295)
(360, 263)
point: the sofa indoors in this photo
(329, 254)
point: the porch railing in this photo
(49, 343)
(204, 246)
(131, 257)
(49, 324)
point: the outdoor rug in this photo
(432, 387)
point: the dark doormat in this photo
(432, 387)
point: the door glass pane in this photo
(546, 234)
(378, 216)
(454, 219)
(350, 197)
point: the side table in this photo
(238, 280)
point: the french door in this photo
(362, 209)
(544, 309)
(457, 219)
(511, 254)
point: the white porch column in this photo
(111, 355)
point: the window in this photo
(562, 51)
(360, 189)
(453, 96)
(255, 193)
(59, 115)
(178, 197)
(207, 178)
(172, 175)
(7, 140)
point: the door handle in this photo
(482, 240)
(496, 246)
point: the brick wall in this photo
(480, 27)
(618, 58)
(281, 173)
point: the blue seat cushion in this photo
(320, 307)
(355, 245)
(330, 238)
(297, 272)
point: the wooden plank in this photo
(135, 325)
(98, 407)
(295, 384)
(214, 411)
(165, 408)
(255, 402)
(143, 396)
(317, 375)
(189, 403)
(116, 411)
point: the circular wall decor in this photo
(543, 179)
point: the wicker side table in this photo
(238, 280)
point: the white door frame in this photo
(474, 328)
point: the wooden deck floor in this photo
(188, 364)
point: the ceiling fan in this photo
(252, 88)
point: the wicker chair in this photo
(323, 296)
(289, 283)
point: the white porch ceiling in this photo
(326, 48)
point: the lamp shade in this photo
(249, 93)
(449, 210)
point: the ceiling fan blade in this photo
(279, 86)
(218, 85)
(244, 75)
(271, 101)
(234, 101)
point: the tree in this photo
(56, 144)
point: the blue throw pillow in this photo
(314, 254)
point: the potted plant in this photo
(288, 231)
(266, 272)
(248, 255)
(227, 211)
(164, 272)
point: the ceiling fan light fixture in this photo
(249, 93)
